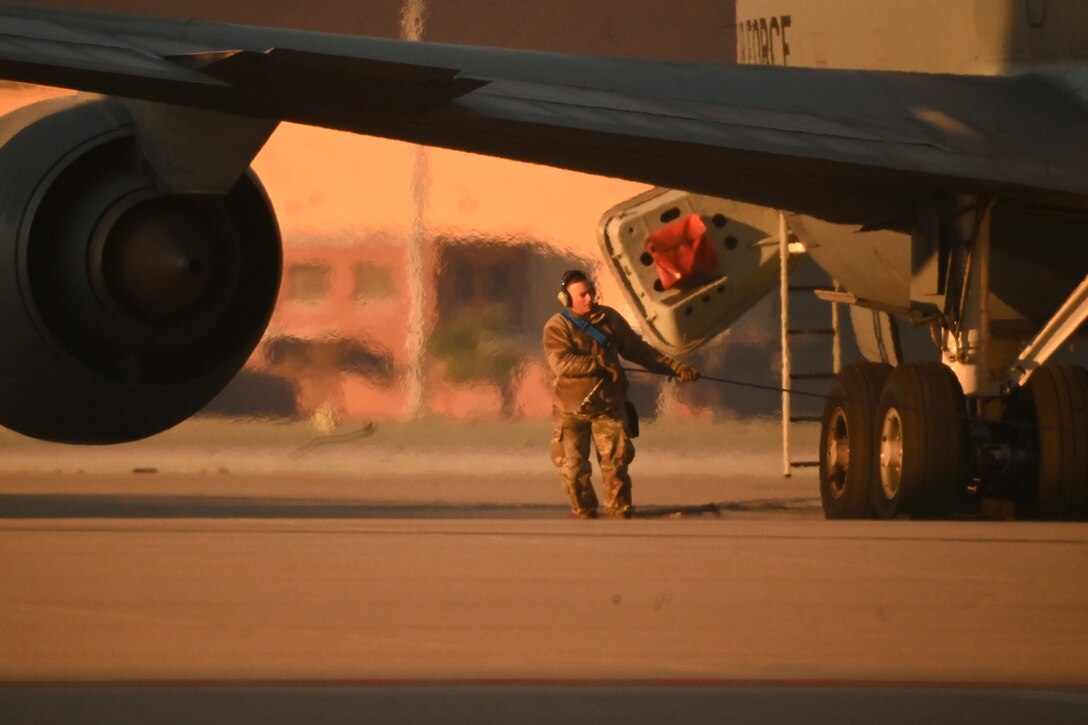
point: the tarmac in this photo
(286, 582)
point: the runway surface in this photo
(306, 597)
(295, 599)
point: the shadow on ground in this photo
(36, 506)
(633, 703)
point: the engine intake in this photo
(125, 309)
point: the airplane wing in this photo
(842, 145)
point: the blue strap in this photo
(586, 327)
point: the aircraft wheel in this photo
(922, 468)
(1054, 404)
(848, 440)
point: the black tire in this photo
(848, 452)
(1054, 405)
(922, 433)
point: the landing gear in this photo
(893, 442)
(993, 424)
(1050, 415)
(848, 451)
(905, 451)
(922, 467)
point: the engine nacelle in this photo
(124, 309)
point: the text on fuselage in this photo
(763, 40)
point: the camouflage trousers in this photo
(570, 453)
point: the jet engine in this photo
(127, 305)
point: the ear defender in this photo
(573, 275)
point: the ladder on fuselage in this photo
(789, 378)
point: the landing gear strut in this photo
(916, 440)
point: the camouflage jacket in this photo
(579, 382)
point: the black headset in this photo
(569, 277)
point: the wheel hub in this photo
(891, 453)
(838, 453)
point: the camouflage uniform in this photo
(589, 404)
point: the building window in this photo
(308, 282)
(372, 282)
(474, 275)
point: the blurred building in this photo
(339, 338)
(493, 238)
